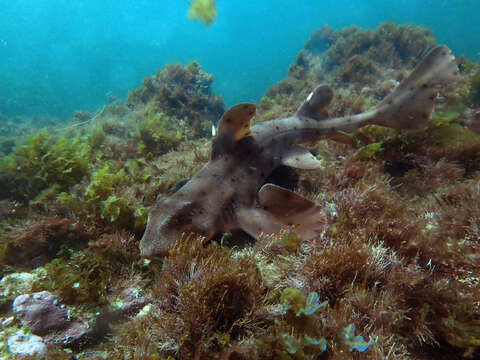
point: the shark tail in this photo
(410, 105)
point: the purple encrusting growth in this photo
(229, 191)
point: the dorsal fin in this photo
(315, 107)
(236, 121)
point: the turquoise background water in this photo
(57, 56)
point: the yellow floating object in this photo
(203, 11)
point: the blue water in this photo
(57, 56)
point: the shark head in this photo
(167, 220)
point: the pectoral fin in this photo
(236, 121)
(300, 158)
(293, 209)
(255, 221)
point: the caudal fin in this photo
(410, 105)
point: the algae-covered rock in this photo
(181, 92)
(43, 162)
(350, 60)
(17, 283)
(131, 300)
(46, 316)
(33, 243)
(26, 345)
(41, 312)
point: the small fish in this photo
(229, 192)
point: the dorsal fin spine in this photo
(315, 106)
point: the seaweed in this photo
(78, 277)
(359, 69)
(156, 135)
(352, 60)
(182, 93)
(472, 72)
(389, 43)
(475, 87)
(35, 242)
(42, 162)
(215, 302)
(102, 203)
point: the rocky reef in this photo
(183, 93)
(395, 275)
(362, 66)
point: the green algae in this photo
(101, 202)
(298, 335)
(291, 242)
(369, 152)
(475, 87)
(42, 163)
(354, 342)
(472, 71)
(82, 277)
(301, 310)
(182, 93)
(453, 135)
(157, 134)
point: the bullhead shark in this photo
(229, 192)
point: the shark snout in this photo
(154, 242)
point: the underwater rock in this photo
(41, 312)
(126, 304)
(131, 301)
(180, 92)
(44, 314)
(81, 116)
(17, 283)
(350, 59)
(34, 242)
(26, 345)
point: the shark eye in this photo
(182, 219)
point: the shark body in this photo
(229, 191)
